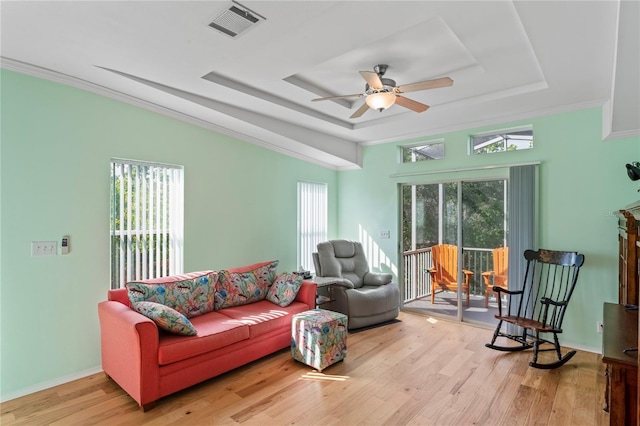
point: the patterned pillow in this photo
(285, 289)
(166, 318)
(240, 286)
(190, 294)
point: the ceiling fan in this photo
(380, 93)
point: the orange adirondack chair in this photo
(498, 276)
(444, 273)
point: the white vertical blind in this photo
(158, 225)
(312, 220)
(145, 197)
(176, 213)
(147, 221)
(163, 223)
(130, 242)
(119, 226)
(137, 207)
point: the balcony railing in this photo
(417, 281)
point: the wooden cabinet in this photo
(619, 335)
(622, 326)
(629, 254)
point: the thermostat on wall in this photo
(65, 247)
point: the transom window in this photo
(423, 152)
(503, 141)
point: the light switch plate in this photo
(385, 235)
(44, 248)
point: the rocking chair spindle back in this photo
(540, 305)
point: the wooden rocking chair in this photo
(540, 305)
(497, 277)
(444, 273)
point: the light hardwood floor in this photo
(414, 372)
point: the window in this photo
(147, 208)
(423, 152)
(312, 221)
(503, 141)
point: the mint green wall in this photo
(582, 181)
(57, 141)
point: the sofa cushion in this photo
(263, 317)
(284, 289)
(166, 318)
(214, 331)
(190, 294)
(239, 286)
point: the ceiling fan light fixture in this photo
(380, 93)
(380, 100)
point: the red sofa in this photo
(150, 364)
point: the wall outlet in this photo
(599, 326)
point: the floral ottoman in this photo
(319, 338)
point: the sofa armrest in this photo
(377, 278)
(307, 293)
(129, 346)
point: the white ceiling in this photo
(509, 61)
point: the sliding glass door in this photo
(450, 232)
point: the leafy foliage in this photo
(483, 214)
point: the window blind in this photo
(312, 221)
(147, 221)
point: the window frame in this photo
(497, 133)
(163, 255)
(422, 144)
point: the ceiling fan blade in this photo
(424, 85)
(411, 104)
(360, 111)
(373, 79)
(329, 98)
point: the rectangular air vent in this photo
(236, 20)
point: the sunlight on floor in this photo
(314, 375)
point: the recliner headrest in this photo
(344, 248)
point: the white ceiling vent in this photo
(236, 20)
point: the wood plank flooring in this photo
(415, 372)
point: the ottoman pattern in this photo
(319, 338)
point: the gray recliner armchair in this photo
(366, 297)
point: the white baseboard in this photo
(49, 384)
(581, 347)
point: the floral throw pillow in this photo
(190, 294)
(285, 289)
(166, 318)
(240, 286)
